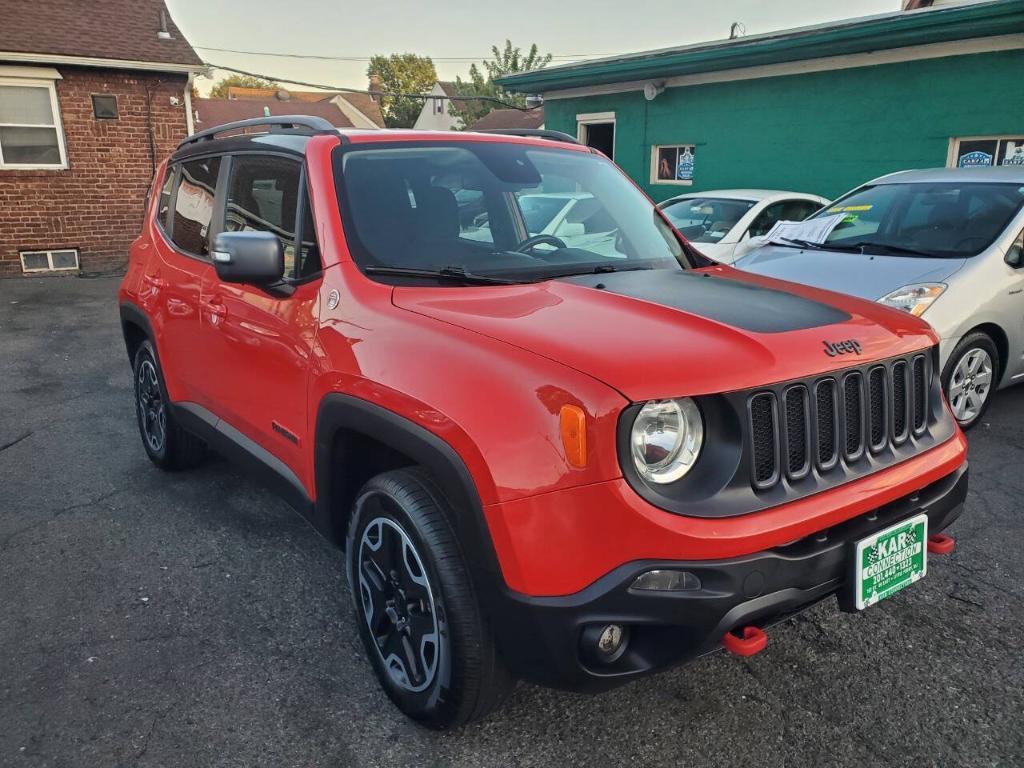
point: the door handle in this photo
(216, 308)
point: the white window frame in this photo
(954, 144)
(591, 118)
(655, 151)
(49, 260)
(57, 125)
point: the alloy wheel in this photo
(398, 603)
(152, 411)
(971, 384)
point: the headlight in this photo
(666, 440)
(914, 299)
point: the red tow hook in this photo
(940, 544)
(751, 640)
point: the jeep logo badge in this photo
(845, 347)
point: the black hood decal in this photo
(731, 302)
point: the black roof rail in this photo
(310, 122)
(535, 133)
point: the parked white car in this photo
(724, 224)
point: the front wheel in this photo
(970, 378)
(415, 606)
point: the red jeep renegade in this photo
(556, 442)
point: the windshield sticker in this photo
(850, 209)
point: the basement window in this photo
(63, 260)
(672, 164)
(104, 106)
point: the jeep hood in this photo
(868, 276)
(668, 333)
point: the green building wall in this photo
(821, 132)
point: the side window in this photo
(163, 208)
(767, 219)
(263, 195)
(193, 206)
(798, 210)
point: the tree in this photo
(506, 61)
(402, 73)
(220, 88)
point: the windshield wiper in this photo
(787, 242)
(899, 249)
(450, 274)
(600, 269)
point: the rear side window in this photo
(163, 208)
(193, 205)
(263, 195)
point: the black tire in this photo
(167, 444)
(958, 390)
(458, 678)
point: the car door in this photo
(259, 341)
(172, 284)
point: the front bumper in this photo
(540, 637)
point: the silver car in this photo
(945, 245)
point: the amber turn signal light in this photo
(574, 434)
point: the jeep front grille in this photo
(811, 425)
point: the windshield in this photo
(947, 219)
(706, 219)
(497, 209)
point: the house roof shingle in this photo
(510, 118)
(214, 112)
(361, 101)
(101, 29)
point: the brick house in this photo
(92, 97)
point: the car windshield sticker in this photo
(850, 209)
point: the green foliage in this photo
(402, 73)
(220, 88)
(506, 61)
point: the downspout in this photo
(189, 125)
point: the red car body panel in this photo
(600, 527)
(486, 370)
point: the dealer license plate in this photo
(890, 560)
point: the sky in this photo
(456, 32)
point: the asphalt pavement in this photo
(193, 619)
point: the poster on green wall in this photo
(985, 153)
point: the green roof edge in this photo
(872, 33)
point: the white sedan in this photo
(722, 224)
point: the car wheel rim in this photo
(971, 385)
(152, 412)
(398, 604)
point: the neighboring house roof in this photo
(361, 102)
(452, 92)
(110, 32)
(938, 24)
(213, 112)
(510, 118)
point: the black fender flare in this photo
(133, 314)
(344, 412)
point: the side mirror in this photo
(1015, 256)
(248, 257)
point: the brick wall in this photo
(96, 204)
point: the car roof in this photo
(294, 141)
(754, 195)
(1011, 174)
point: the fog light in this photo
(666, 581)
(605, 643)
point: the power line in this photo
(447, 59)
(391, 94)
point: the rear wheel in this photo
(970, 378)
(415, 606)
(167, 444)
